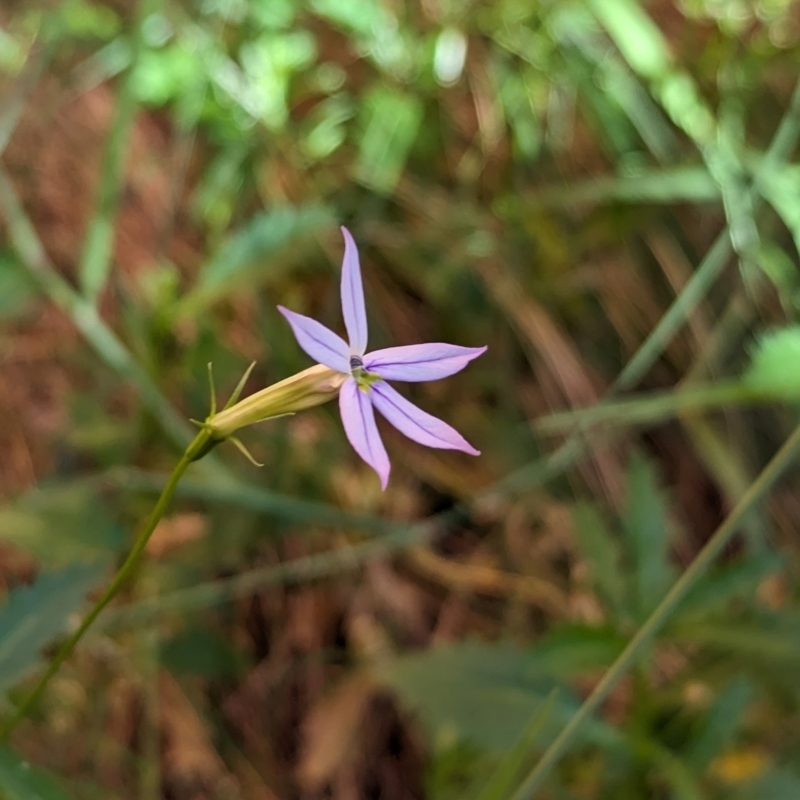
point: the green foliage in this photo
(83, 19)
(721, 724)
(546, 178)
(646, 535)
(391, 126)
(486, 694)
(776, 785)
(602, 551)
(631, 570)
(86, 527)
(34, 616)
(773, 362)
(509, 770)
(21, 781)
(198, 651)
(267, 246)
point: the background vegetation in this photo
(604, 192)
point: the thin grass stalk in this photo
(656, 621)
(94, 266)
(14, 100)
(655, 407)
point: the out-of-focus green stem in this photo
(193, 451)
(560, 745)
(95, 261)
(657, 406)
(84, 315)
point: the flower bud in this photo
(311, 387)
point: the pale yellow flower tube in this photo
(306, 389)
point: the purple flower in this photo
(365, 388)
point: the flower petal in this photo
(353, 309)
(420, 362)
(358, 419)
(416, 423)
(321, 344)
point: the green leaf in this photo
(674, 185)
(780, 268)
(646, 534)
(739, 579)
(508, 771)
(721, 725)
(636, 35)
(34, 616)
(774, 362)
(768, 640)
(645, 49)
(601, 550)
(485, 694)
(775, 785)
(261, 247)
(59, 524)
(393, 120)
(20, 781)
(781, 189)
(198, 651)
(94, 267)
(568, 651)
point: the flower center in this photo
(363, 378)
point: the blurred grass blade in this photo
(34, 616)
(393, 120)
(300, 570)
(601, 550)
(17, 290)
(14, 100)
(766, 639)
(20, 781)
(646, 533)
(677, 775)
(740, 579)
(261, 248)
(645, 49)
(508, 771)
(86, 527)
(95, 262)
(678, 185)
(781, 189)
(503, 692)
(246, 496)
(721, 725)
(656, 407)
(85, 316)
(660, 616)
(638, 38)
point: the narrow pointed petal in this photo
(358, 419)
(416, 423)
(420, 362)
(353, 308)
(323, 345)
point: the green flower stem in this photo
(560, 745)
(193, 451)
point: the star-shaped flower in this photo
(365, 387)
